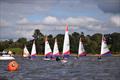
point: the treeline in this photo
(92, 43)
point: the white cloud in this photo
(54, 25)
(81, 20)
(50, 20)
(59, 24)
(64, 10)
(26, 34)
(23, 20)
(51, 23)
(115, 20)
(86, 22)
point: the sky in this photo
(19, 18)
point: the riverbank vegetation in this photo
(92, 43)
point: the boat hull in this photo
(6, 58)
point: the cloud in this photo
(87, 22)
(23, 20)
(115, 20)
(89, 16)
(82, 22)
(50, 20)
(54, 25)
(109, 6)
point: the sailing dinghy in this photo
(33, 51)
(26, 52)
(48, 51)
(56, 50)
(81, 50)
(5, 56)
(104, 48)
(66, 45)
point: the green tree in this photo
(115, 40)
(96, 40)
(60, 39)
(74, 42)
(22, 42)
(37, 34)
(39, 40)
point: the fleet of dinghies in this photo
(48, 55)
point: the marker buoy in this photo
(13, 66)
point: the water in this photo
(84, 68)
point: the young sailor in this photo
(58, 58)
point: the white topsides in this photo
(6, 56)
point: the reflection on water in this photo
(84, 68)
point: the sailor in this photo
(10, 53)
(58, 58)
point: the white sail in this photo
(48, 50)
(55, 50)
(26, 52)
(104, 47)
(33, 52)
(66, 45)
(81, 50)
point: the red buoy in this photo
(13, 66)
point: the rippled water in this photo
(84, 68)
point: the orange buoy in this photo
(13, 66)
